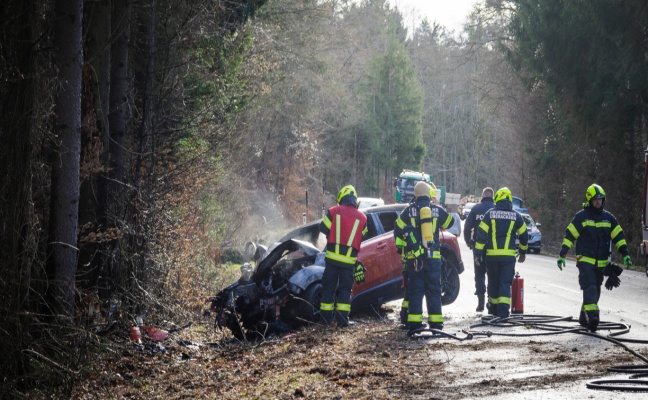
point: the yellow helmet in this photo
(422, 189)
(432, 192)
(503, 194)
(594, 192)
(347, 190)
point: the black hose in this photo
(627, 385)
(546, 322)
(436, 333)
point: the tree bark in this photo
(64, 206)
(94, 139)
(18, 247)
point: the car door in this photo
(378, 253)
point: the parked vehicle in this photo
(535, 236)
(366, 202)
(284, 289)
(405, 183)
(518, 205)
(467, 208)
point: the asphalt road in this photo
(550, 291)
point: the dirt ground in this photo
(373, 359)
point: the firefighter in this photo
(400, 248)
(344, 226)
(496, 240)
(592, 228)
(473, 219)
(423, 256)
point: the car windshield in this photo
(528, 221)
(407, 184)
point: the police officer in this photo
(497, 235)
(592, 228)
(423, 264)
(344, 226)
(473, 219)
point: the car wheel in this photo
(450, 283)
(309, 302)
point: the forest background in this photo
(144, 142)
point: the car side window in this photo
(388, 220)
(371, 228)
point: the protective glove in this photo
(561, 262)
(359, 274)
(612, 269)
(627, 261)
(612, 282)
(521, 257)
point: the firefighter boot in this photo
(491, 308)
(403, 317)
(480, 303)
(404, 311)
(593, 324)
(414, 327)
(342, 319)
(582, 319)
(436, 325)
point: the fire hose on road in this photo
(549, 324)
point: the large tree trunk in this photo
(117, 119)
(64, 206)
(18, 248)
(94, 140)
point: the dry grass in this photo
(373, 359)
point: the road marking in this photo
(563, 288)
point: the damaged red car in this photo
(283, 291)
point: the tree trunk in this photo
(94, 139)
(18, 247)
(117, 120)
(64, 206)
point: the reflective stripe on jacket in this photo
(410, 217)
(592, 232)
(499, 230)
(344, 226)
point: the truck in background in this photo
(406, 181)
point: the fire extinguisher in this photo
(517, 300)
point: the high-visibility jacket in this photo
(499, 231)
(344, 226)
(407, 230)
(592, 230)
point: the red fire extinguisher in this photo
(517, 299)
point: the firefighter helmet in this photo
(345, 191)
(432, 192)
(594, 192)
(422, 189)
(503, 194)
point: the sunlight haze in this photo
(449, 13)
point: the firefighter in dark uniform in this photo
(400, 248)
(473, 219)
(423, 264)
(344, 227)
(497, 236)
(592, 228)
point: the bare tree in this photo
(64, 208)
